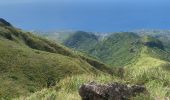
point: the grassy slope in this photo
(151, 71)
(67, 89)
(118, 49)
(151, 68)
(147, 68)
(29, 63)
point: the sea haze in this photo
(94, 15)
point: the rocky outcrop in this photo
(114, 91)
(4, 22)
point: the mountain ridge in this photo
(29, 63)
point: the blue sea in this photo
(87, 15)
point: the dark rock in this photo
(4, 22)
(114, 91)
(132, 50)
(157, 44)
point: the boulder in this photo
(114, 91)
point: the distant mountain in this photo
(162, 35)
(29, 63)
(117, 49)
(62, 36)
(83, 41)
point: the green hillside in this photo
(146, 60)
(162, 35)
(146, 70)
(152, 71)
(34, 68)
(118, 49)
(80, 40)
(29, 63)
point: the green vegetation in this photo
(149, 66)
(118, 49)
(162, 35)
(81, 41)
(34, 68)
(145, 60)
(29, 63)
(67, 89)
(152, 72)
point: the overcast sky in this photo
(87, 15)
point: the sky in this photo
(87, 15)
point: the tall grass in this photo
(67, 89)
(151, 72)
